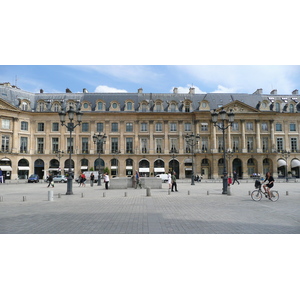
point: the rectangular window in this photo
(173, 127)
(144, 145)
(129, 145)
(144, 127)
(85, 127)
(235, 144)
(204, 144)
(294, 145)
(265, 144)
(250, 145)
(24, 125)
(235, 126)
(292, 127)
(24, 144)
(220, 144)
(54, 145)
(5, 143)
(158, 145)
(174, 145)
(204, 126)
(129, 127)
(249, 126)
(278, 127)
(41, 127)
(55, 126)
(279, 144)
(114, 127)
(158, 127)
(187, 126)
(5, 124)
(264, 126)
(70, 148)
(100, 127)
(114, 145)
(85, 145)
(40, 144)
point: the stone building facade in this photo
(146, 132)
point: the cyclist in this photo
(270, 183)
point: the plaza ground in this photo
(195, 209)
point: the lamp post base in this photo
(69, 186)
(225, 184)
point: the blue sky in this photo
(153, 78)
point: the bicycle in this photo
(256, 195)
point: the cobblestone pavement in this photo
(195, 209)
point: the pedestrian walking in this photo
(235, 176)
(50, 180)
(170, 180)
(174, 183)
(82, 179)
(106, 180)
(1, 176)
(136, 179)
(92, 177)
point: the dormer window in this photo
(24, 105)
(129, 105)
(173, 107)
(187, 107)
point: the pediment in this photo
(4, 105)
(240, 107)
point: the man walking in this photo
(174, 184)
(235, 178)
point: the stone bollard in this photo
(50, 195)
(228, 191)
(1, 198)
(188, 192)
(287, 193)
(207, 193)
(148, 192)
(169, 191)
(81, 195)
(103, 194)
(24, 198)
(125, 194)
(59, 195)
(249, 193)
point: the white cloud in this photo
(107, 89)
(223, 89)
(186, 89)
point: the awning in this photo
(5, 159)
(6, 168)
(53, 169)
(281, 162)
(23, 168)
(67, 169)
(295, 163)
(129, 168)
(84, 167)
(114, 167)
(144, 170)
(159, 170)
(188, 169)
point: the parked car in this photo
(163, 177)
(60, 178)
(33, 178)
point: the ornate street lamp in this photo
(59, 154)
(173, 151)
(214, 117)
(192, 140)
(70, 126)
(286, 155)
(99, 139)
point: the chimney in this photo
(295, 92)
(140, 90)
(41, 91)
(85, 91)
(273, 92)
(258, 92)
(192, 90)
(175, 90)
(68, 90)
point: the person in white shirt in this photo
(106, 180)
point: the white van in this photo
(163, 177)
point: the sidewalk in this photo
(195, 209)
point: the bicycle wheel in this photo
(256, 195)
(274, 196)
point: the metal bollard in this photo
(59, 195)
(125, 194)
(148, 191)
(188, 192)
(249, 193)
(50, 195)
(228, 191)
(169, 192)
(287, 193)
(207, 193)
(1, 198)
(24, 198)
(103, 194)
(81, 195)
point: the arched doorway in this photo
(129, 167)
(96, 165)
(114, 164)
(54, 167)
(238, 167)
(266, 166)
(84, 165)
(66, 167)
(39, 168)
(281, 168)
(295, 167)
(188, 166)
(174, 166)
(23, 169)
(252, 167)
(159, 167)
(144, 168)
(205, 168)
